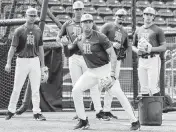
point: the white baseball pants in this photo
(88, 80)
(77, 67)
(149, 74)
(108, 97)
(25, 67)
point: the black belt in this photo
(147, 56)
(26, 57)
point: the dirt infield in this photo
(62, 122)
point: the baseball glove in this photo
(144, 45)
(106, 83)
(44, 74)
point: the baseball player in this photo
(77, 65)
(101, 60)
(28, 45)
(148, 42)
(119, 37)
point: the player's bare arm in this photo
(113, 60)
(161, 48)
(11, 53)
(41, 56)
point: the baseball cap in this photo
(121, 12)
(78, 4)
(86, 17)
(149, 10)
(31, 11)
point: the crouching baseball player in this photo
(148, 42)
(101, 60)
(119, 37)
(27, 43)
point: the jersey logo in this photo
(118, 37)
(76, 30)
(144, 35)
(87, 48)
(30, 39)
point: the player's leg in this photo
(108, 97)
(154, 75)
(35, 78)
(143, 77)
(77, 93)
(26, 100)
(21, 72)
(116, 91)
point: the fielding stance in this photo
(27, 43)
(97, 52)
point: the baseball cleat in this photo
(110, 115)
(135, 126)
(21, 110)
(9, 115)
(39, 117)
(75, 117)
(83, 124)
(102, 116)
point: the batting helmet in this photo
(149, 10)
(31, 11)
(78, 4)
(122, 12)
(86, 17)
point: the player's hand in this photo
(58, 40)
(140, 52)
(8, 67)
(116, 45)
(64, 41)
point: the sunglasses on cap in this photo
(148, 14)
(32, 15)
(78, 9)
(87, 21)
(118, 15)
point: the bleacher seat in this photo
(138, 12)
(104, 10)
(165, 12)
(126, 3)
(63, 17)
(158, 4)
(90, 10)
(69, 9)
(86, 2)
(174, 13)
(54, 2)
(48, 19)
(6, 1)
(142, 4)
(139, 20)
(98, 3)
(171, 4)
(114, 10)
(57, 9)
(98, 19)
(113, 3)
(128, 20)
(109, 19)
(171, 21)
(159, 21)
(67, 2)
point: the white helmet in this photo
(86, 17)
(78, 4)
(149, 10)
(121, 12)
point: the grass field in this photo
(62, 122)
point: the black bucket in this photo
(150, 110)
